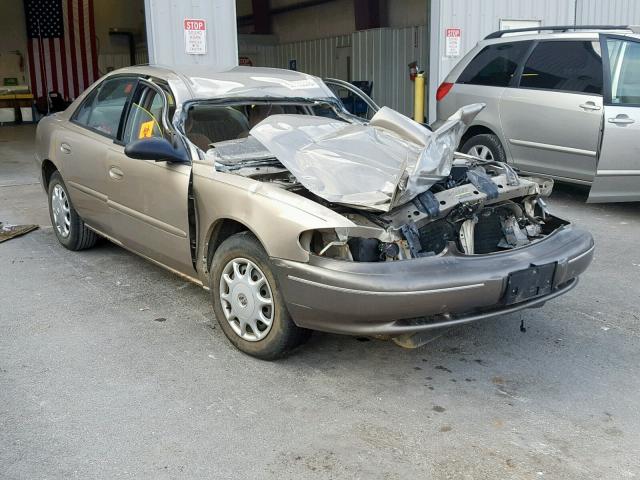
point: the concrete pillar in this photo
(166, 32)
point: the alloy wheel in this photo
(246, 299)
(61, 211)
(482, 152)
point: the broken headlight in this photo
(360, 244)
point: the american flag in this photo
(62, 46)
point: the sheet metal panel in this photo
(615, 12)
(316, 57)
(165, 32)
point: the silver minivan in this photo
(564, 103)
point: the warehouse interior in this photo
(378, 43)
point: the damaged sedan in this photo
(296, 215)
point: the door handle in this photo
(65, 148)
(621, 120)
(589, 106)
(116, 173)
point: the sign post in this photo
(195, 36)
(453, 42)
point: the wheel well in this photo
(48, 168)
(472, 132)
(220, 232)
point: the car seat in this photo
(207, 124)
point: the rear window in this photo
(565, 66)
(495, 65)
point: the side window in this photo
(495, 65)
(624, 68)
(105, 110)
(145, 116)
(82, 114)
(567, 66)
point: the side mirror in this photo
(158, 149)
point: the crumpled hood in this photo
(376, 166)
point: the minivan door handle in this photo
(590, 106)
(116, 173)
(65, 148)
(621, 119)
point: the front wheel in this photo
(485, 146)
(247, 302)
(69, 228)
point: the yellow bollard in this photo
(418, 98)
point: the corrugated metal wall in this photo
(316, 57)
(615, 12)
(381, 55)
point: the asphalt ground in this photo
(111, 367)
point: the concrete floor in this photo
(111, 367)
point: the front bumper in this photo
(394, 298)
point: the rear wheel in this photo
(69, 228)
(485, 146)
(247, 302)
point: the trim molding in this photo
(555, 148)
(370, 292)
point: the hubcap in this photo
(482, 152)
(61, 211)
(246, 299)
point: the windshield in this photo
(209, 122)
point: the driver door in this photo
(149, 199)
(618, 172)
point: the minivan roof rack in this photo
(559, 28)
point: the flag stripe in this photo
(62, 46)
(72, 47)
(83, 45)
(92, 33)
(51, 61)
(32, 70)
(62, 55)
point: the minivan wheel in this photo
(247, 301)
(486, 146)
(69, 228)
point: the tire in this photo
(236, 303)
(486, 146)
(69, 228)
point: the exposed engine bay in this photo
(431, 199)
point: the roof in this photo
(591, 34)
(205, 82)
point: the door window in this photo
(103, 110)
(495, 65)
(565, 66)
(145, 116)
(624, 69)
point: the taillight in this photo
(443, 90)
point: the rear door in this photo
(485, 79)
(618, 172)
(148, 199)
(552, 121)
(84, 145)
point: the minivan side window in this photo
(570, 66)
(495, 65)
(624, 67)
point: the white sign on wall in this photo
(195, 36)
(506, 24)
(453, 40)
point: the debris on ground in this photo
(7, 231)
